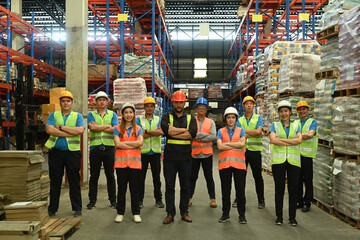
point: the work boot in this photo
(261, 204)
(213, 203)
(91, 205)
(159, 204)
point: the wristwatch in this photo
(60, 128)
(145, 131)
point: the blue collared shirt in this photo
(138, 123)
(258, 124)
(61, 143)
(231, 132)
(287, 129)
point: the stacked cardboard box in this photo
(54, 104)
(99, 71)
(27, 211)
(45, 186)
(4, 200)
(19, 230)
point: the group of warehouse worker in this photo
(129, 147)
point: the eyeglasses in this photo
(201, 107)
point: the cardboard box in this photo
(54, 100)
(56, 92)
(49, 108)
(101, 71)
(45, 117)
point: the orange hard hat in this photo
(248, 98)
(302, 104)
(179, 96)
(66, 94)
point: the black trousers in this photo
(280, 171)
(155, 163)
(125, 176)
(97, 158)
(254, 159)
(207, 166)
(171, 168)
(71, 161)
(306, 177)
(240, 182)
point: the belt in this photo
(102, 148)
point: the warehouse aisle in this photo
(99, 223)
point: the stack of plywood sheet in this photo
(19, 230)
(45, 187)
(27, 211)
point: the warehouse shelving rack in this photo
(37, 42)
(251, 34)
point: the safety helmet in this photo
(231, 110)
(201, 101)
(101, 94)
(302, 104)
(179, 96)
(149, 100)
(66, 94)
(284, 103)
(127, 105)
(248, 98)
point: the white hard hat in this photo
(127, 105)
(231, 110)
(284, 103)
(101, 94)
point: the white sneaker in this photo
(119, 218)
(137, 218)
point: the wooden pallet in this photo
(347, 92)
(59, 228)
(325, 143)
(328, 74)
(259, 74)
(353, 222)
(291, 94)
(328, 33)
(324, 207)
(348, 157)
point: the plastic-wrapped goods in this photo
(346, 191)
(91, 99)
(260, 84)
(129, 90)
(323, 111)
(272, 80)
(278, 50)
(349, 39)
(196, 93)
(297, 73)
(214, 91)
(346, 125)
(259, 61)
(322, 181)
(334, 10)
(330, 55)
(265, 155)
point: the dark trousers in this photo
(254, 159)
(125, 176)
(97, 158)
(155, 163)
(171, 168)
(280, 171)
(306, 177)
(71, 160)
(240, 181)
(207, 166)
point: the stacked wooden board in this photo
(19, 230)
(20, 173)
(27, 211)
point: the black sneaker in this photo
(51, 214)
(242, 220)
(261, 204)
(293, 222)
(91, 205)
(141, 204)
(299, 205)
(77, 213)
(113, 205)
(279, 221)
(234, 205)
(306, 208)
(224, 218)
(159, 204)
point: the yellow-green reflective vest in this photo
(308, 148)
(279, 154)
(73, 142)
(176, 141)
(252, 143)
(99, 138)
(153, 143)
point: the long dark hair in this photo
(122, 125)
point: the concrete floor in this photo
(99, 222)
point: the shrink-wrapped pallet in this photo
(129, 90)
(196, 93)
(214, 91)
(330, 55)
(265, 155)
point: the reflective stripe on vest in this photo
(202, 147)
(279, 154)
(153, 143)
(308, 148)
(73, 142)
(99, 138)
(232, 158)
(176, 141)
(252, 143)
(128, 157)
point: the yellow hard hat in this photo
(302, 104)
(149, 100)
(66, 94)
(248, 98)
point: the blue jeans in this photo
(171, 168)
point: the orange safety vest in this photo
(128, 157)
(202, 147)
(232, 158)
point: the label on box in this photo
(303, 17)
(257, 18)
(122, 17)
